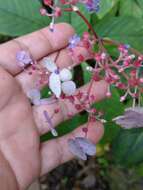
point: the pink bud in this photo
(58, 12)
(141, 80)
(121, 70)
(108, 94)
(122, 98)
(85, 129)
(43, 11)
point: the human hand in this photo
(22, 124)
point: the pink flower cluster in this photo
(123, 72)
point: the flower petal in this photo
(87, 146)
(54, 132)
(65, 75)
(68, 88)
(132, 118)
(55, 84)
(23, 57)
(49, 64)
(76, 150)
(34, 94)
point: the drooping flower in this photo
(132, 118)
(81, 147)
(59, 80)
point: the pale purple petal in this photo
(55, 84)
(49, 121)
(74, 41)
(49, 64)
(65, 75)
(48, 101)
(68, 88)
(23, 57)
(34, 94)
(36, 102)
(132, 118)
(87, 146)
(76, 150)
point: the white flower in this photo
(59, 80)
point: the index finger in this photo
(39, 43)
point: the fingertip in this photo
(99, 90)
(60, 36)
(95, 131)
(65, 26)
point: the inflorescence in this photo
(123, 72)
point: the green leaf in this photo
(77, 21)
(130, 8)
(18, 17)
(127, 30)
(140, 3)
(106, 7)
(128, 147)
(112, 108)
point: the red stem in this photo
(85, 20)
(88, 24)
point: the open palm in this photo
(22, 124)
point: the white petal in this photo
(65, 75)
(49, 64)
(68, 88)
(34, 94)
(54, 132)
(55, 84)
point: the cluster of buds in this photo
(124, 72)
(91, 5)
(56, 7)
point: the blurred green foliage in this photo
(121, 20)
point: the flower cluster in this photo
(56, 7)
(123, 72)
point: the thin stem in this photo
(88, 24)
(113, 42)
(85, 20)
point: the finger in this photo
(56, 152)
(66, 108)
(64, 60)
(39, 44)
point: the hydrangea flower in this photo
(24, 58)
(132, 118)
(81, 147)
(74, 41)
(59, 81)
(92, 5)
